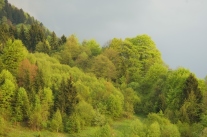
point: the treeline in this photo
(63, 85)
(16, 24)
(13, 14)
(88, 89)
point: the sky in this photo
(178, 27)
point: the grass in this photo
(25, 132)
(119, 128)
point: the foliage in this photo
(56, 123)
(62, 85)
(13, 53)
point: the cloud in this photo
(178, 27)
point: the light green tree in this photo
(7, 93)
(130, 100)
(154, 130)
(13, 53)
(104, 131)
(85, 112)
(114, 106)
(46, 100)
(43, 47)
(72, 46)
(138, 128)
(35, 119)
(103, 67)
(22, 106)
(82, 61)
(170, 130)
(56, 123)
(148, 52)
(93, 46)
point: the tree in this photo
(56, 123)
(7, 93)
(71, 51)
(82, 61)
(129, 68)
(173, 88)
(35, 119)
(85, 112)
(154, 130)
(53, 41)
(103, 67)
(22, 106)
(192, 101)
(27, 73)
(36, 34)
(62, 40)
(4, 33)
(72, 124)
(93, 46)
(131, 99)
(138, 128)
(67, 97)
(43, 47)
(13, 32)
(170, 130)
(104, 131)
(148, 52)
(114, 106)
(39, 82)
(72, 46)
(13, 53)
(46, 100)
(23, 36)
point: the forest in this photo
(62, 85)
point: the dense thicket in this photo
(62, 85)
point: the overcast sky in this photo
(178, 27)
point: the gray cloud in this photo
(178, 27)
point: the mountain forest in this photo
(60, 86)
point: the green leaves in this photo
(103, 67)
(13, 53)
(56, 123)
(7, 92)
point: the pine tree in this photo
(191, 108)
(62, 40)
(36, 34)
(68, 97)
(23, 36)
(54, 41)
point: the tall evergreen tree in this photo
(62, 40)
(23, 36)
(54, 41)
(36, 34)
(68, 97)
(191, 97)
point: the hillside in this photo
(67, 87)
